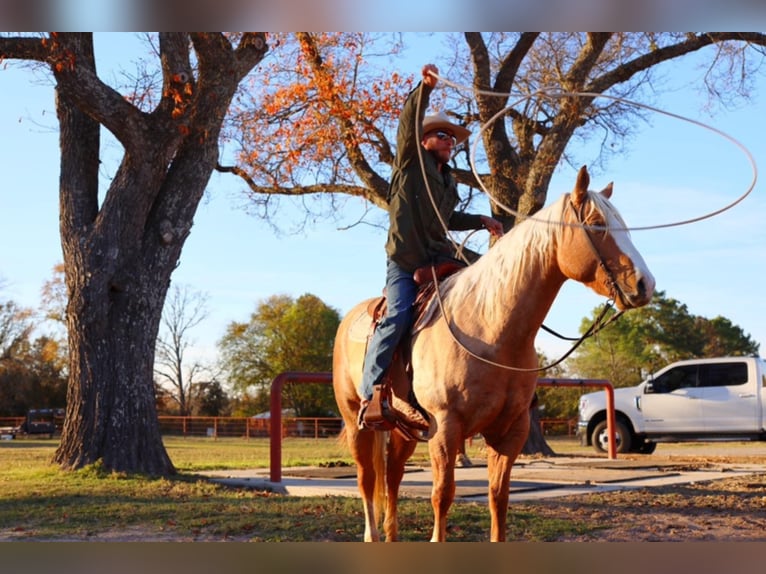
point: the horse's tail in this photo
(379, 465)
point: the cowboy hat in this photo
(440, 121)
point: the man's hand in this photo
(492, 225)
(428, 79)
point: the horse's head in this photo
(596, 249)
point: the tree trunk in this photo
(111, 412)
(115, 299)
(536, 443)
(120, 253)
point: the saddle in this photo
(381, 413)
(424, 278)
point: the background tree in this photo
(622, 353)
(283, 334)
(121, 244)
(53, 296)
(15, 328)
(641, 342)
(35, 377)
(184, 310)
(32, 371)
(326, 114)
(211, 400)
(722, 338)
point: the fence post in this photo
(275, 421)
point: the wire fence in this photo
(252, 427)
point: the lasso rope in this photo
(552, 93)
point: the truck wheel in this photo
(646, 447)
(600, 438)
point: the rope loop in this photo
(557, 93)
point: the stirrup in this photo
(379, 415)
(371, 416)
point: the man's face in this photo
(440, 143)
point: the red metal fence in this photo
(282, 379)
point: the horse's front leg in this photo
(443, 450)
(499, 471)
(501, 455)
(399, 452)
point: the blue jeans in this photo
(401, 291)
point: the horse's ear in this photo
(581, 186)
(607, 191)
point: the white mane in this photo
(522, 251)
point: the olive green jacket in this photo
(416, 236)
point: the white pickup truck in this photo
(697, 400)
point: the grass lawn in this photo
(40, 502)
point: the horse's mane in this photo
(507, 266)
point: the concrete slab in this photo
(530, 480)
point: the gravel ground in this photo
(732, 509)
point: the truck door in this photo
(671, 402)
(729, 398)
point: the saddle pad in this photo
(361, 326)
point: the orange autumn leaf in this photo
(311, 110)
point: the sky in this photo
(673, 171)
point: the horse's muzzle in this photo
(642, 293)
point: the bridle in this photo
(615, 291)
(598, 324)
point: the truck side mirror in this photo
(649, 388)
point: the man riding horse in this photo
(416, 237)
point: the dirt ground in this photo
(730, 510)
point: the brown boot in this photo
(404, 411)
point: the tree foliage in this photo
(53, 296)
(15, 328)
(32, 371)
(644, 340)
(324, 114)
(212, 400)
(283, 334)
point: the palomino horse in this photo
(493, 309)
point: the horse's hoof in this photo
(463, 461)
